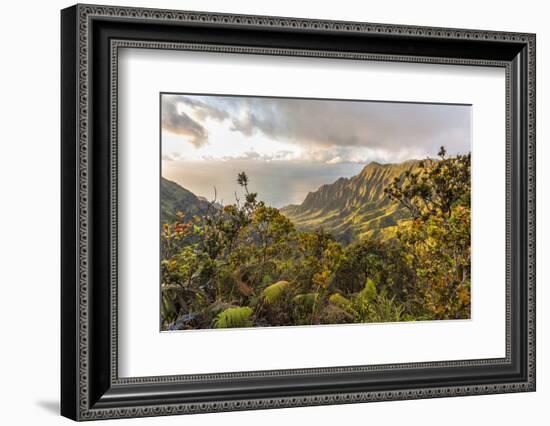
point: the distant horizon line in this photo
(365, 163)
(372, 162)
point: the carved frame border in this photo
(85, 14)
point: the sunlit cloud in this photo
(338, 128)
(291, 146)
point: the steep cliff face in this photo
(348, 208)
(352, 207)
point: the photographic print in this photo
(282, 211)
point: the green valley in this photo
(353, 207)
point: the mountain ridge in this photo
(347, 208)
(355, 206)
(175, 198)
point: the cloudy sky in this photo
(289, 147)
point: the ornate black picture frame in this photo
(91, 387)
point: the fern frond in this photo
(234, 318)
(274, 292)
(343, 304)
(368, 294)
(340, 301)
(307, 299)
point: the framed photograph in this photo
(263, 212)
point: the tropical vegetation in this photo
(248, 264)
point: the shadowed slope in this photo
(174, 198)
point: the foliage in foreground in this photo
(246, 265)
